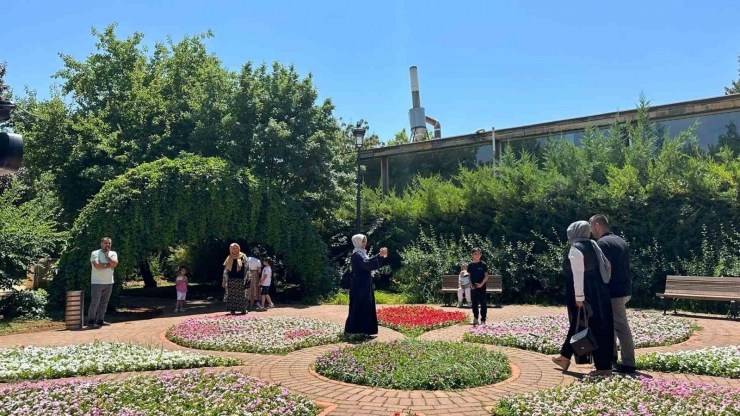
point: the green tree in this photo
(399, 138)
(28, 232)
(130, 106)
(191, 200)
(735, 87)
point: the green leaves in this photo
(190, 200)
(132, 106)
(28, 232)
(659, 192)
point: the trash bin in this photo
(74, 312)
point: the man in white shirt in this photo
(103, 262)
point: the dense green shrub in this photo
(28, 232)
(184, 200)
(672, 201)
(25, 304)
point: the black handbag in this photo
(583, 342)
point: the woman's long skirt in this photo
(235, 300)
(254, 285)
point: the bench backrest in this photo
(703, 286)
(450, 282)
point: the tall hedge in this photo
(675, 203)
(189, 200)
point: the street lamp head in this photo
(6, 107)
(359, 135)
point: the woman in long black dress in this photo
(235, 280)
(587, 273)
(362, 318)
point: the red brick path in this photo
(535, 372)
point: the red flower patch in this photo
(416, 320)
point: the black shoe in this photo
(92, 325)
(233, 312)
(483, 322)
(103, 323)
(624, 369)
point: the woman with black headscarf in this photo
(587, 273)
(362, 318)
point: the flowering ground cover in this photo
(713, 361)
(545, 334)
(413, 364)
(243, 333)
(415, 320)
(190, 393)
(625, 396)
(34, 363)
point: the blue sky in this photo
(482, 64)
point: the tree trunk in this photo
(146, 274)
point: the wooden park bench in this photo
(722, 289)
(493, 286)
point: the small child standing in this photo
(463, 285)
(266, 281)
(181, 286)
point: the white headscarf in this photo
(580, 231)
(357, 240)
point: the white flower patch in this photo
(545, 334)
(713, 361)
(270, 335)
(33, 363)
(625, 396)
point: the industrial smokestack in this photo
(417, 115)
(415, 98)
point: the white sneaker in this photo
(475, 321)
(459, 305)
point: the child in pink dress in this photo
(181, 286)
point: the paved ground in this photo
(533, 371)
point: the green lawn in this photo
(382, 297)
(18, 326)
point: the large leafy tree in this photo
(125, 105)
(131, 107)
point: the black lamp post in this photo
(359, 134)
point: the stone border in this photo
(328, 407)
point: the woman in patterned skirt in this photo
(234, 281)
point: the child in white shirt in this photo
(266, 281)
(463, 285)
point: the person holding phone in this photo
(363, 318)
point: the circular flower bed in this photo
(272, 335)
(545, 334)
(415, 365)
(714, 361)
(32, 363)
(625, 396)
(190, 393)
(415, 320)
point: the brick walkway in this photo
(532, 371)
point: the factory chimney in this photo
(417, 117)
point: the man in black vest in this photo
(616, 251)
